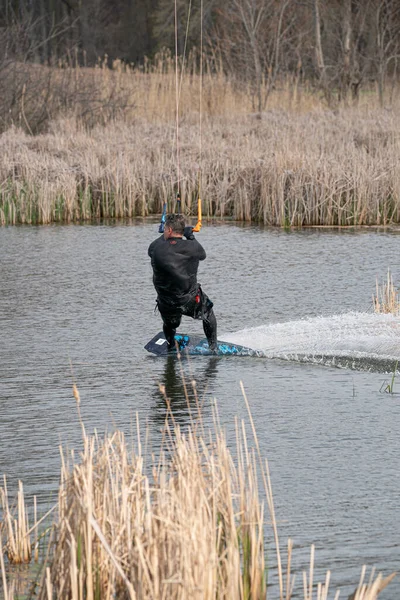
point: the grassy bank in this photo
(285, 169)
(198, 522)
(106, 147)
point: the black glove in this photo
(188, 233)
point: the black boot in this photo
(210, 329)
(170, 337)
(213, 346)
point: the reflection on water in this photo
(23, 579)
(179, 394)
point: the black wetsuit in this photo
(175, 262)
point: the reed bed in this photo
(198, 522)
(285, 169)
(193, 529)
(386, 299)
(106, 147)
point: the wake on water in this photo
(360, 341)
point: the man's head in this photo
(174, 226)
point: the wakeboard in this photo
(195, 346)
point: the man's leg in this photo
(210, 329)
(170, 324)
(204, 310)
(201, 307)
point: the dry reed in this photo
(191, 525)
(194, 529)
(386, 299)
(18, 547)
(297, 164)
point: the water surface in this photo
(77, 304)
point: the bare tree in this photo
(347, 40)
(319, 55)
(387, 22)
(338, 45)
(252, 36)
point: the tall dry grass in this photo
(386, 299)
(194, 528)
(287, 169)
(109, 149)
(33, 94)
(15, 523)
(198, 522)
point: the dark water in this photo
(77, 303)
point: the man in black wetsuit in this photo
(175, 261)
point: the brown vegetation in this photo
(387, 297)
(296, 165)
(190, 525)
(338, 47)
(18, 547)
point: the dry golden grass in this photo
(35, 94)
(16, 525)
(386, 299)
(286, 169)
(194, 528)
(189, 525)
(109, 149)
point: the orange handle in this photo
(197, 227)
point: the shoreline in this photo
(155, 220)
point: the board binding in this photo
(197, 346)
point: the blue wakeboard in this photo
(196, 346)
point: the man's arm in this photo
(188, 233)
(150, 251)
(201, 253)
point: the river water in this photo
(77, 303)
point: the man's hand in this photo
(188, 233)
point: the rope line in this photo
(178, 93)
(177, 97)
(201, 100)
(179, 83)
(197, 227)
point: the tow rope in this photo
(178, 88)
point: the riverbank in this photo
(282, 168)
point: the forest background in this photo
(339, 47)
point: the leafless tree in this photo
(387, 23)
(252, 36)
(337, 45)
